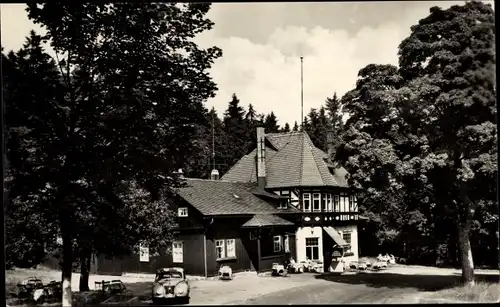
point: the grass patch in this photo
(481, 292)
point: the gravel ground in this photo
(398, 284)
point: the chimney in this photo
(329, 143)
(214, 175)
(261, 157)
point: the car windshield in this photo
(168, 275)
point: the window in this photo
(346, 235)
(355, 203)
(351, 204)
(336, 203)
(307, 202)
(182, 212)
(342, 203)
(143, 253)
(277, 244)
(329, 202)
(312, 248)
(252, 235)
(316, 202)
(284, 203)
(230, 248)
(324, 203)
(177, 252)
(225, 248)
(286, 243)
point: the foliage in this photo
(103, 128)
(421, 139)
(271, 123)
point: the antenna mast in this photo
(301, 93)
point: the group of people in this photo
(387, 258)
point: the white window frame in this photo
(346, 232)
(336, 203)
(286, 243)
(324, 202)
(351, 203)
(277, 244)
(220, 244)
(283, 204)
(329, 202)
(312, 247)
(226, 251)
(143, 253)
(342, 203)
(316, 197)
(355, 203)
(306, 197)
(230, 248)
(182, 212)
(180, 247)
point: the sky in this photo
(262, 44)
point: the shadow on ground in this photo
(391, 280)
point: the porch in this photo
(327, 246)
(272, 240)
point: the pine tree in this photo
(236, 129)
(295, 127)
(271, 123)
(286, 128)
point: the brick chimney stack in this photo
(261, 157)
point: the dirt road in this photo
(398, 284)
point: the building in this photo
(284, 199)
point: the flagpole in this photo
(301, 93)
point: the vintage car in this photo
(379, 265)
(225, 272)
(30, 288)
(170, 284)
(358, 265)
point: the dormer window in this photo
(182, 212)
(283, 204)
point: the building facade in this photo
(283, 200)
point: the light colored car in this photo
(170, 284)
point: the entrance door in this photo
(178, 252)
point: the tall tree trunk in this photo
(85, 257)
(466, 255)
(67, 267)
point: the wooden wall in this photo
(193, 261)
(229, 228)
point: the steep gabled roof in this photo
(295, 162)
(218, 197)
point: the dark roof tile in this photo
(297, 162)
(259, 220)
(217, 197)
